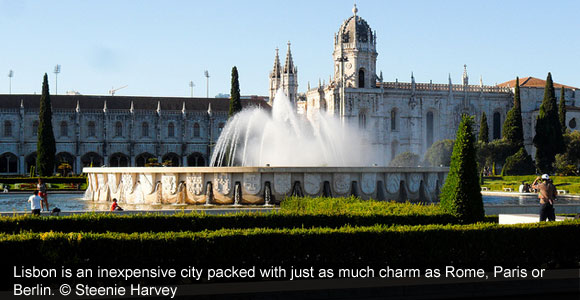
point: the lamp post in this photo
(206, 73)
(10, 75)
(56, 71)
(191, 85)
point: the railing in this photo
(445, 87)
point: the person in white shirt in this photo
(35, 203)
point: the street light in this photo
(56, 71)
(206, 73)
(191, 85)
(10, 75)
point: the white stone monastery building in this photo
(408, 116)
(116, 131)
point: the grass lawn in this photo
(498, 183)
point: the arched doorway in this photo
(196, 160)
(30, 161)
(64, 163)
(92, 159)
(142, 159)
(119, 160)
(8, 163)
(170, 159)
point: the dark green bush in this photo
(519, 164)
(426, 246)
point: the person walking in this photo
(41, 187)
(35, 203)
(547, 193)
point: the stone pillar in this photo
(184, 161)
(78, 167)
(21, 165)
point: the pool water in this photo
(75, 202)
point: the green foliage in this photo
(567, 163)
(405, 159)
(569, 183)
(46, 145)
(548, 139)
(494, 152)
(519, 164)
(235, 104)
(483, 129)
(562, 110)
(461, 194)
(513, 129)
(439, 154)
(468, 246)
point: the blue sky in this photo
(157, 47)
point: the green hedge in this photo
(199, 222)
(54, 179)
(551, 245)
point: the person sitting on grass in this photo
(115, 206)
(35, 203)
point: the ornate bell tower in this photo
(355, 54)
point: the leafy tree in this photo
(405, 159)
(548, 139)
(562, 110)
(46, 145)
(235, 104)
(567, 163)
(461, 194)
(494, 152)
(520, 163)
(439, 153)
(483, 129)
(513, 129)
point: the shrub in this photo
(439, 154)
(519, 164)
(405, 159)
(461, 194)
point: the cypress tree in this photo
(235, 104)
(548, 139)
(46, 145)
(513, 129)
(562, 110)
(461, 194)
(483, 129)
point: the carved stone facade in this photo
(408, 116)
(113, 131)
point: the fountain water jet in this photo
(256, 137)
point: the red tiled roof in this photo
(533, 82)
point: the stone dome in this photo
(356, 26)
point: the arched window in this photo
(362, 120)
(195, 160)
(63, 128)
(220, 128)
(171, 130)
(118, 129)
(145, 129)
(91, 129)
(35, 128)
(8, 163)
(572, 123)
(394, 120)
(496, 126)
(429, 129)
(7, 128)
(361, 78)
(196, 130)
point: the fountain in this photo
(261, 157)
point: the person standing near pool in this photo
(35, 203)
(41, 187)
(547, 193)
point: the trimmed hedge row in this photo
(198, 222)
(552, 244)
(54, 179)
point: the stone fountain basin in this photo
(260, 185)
